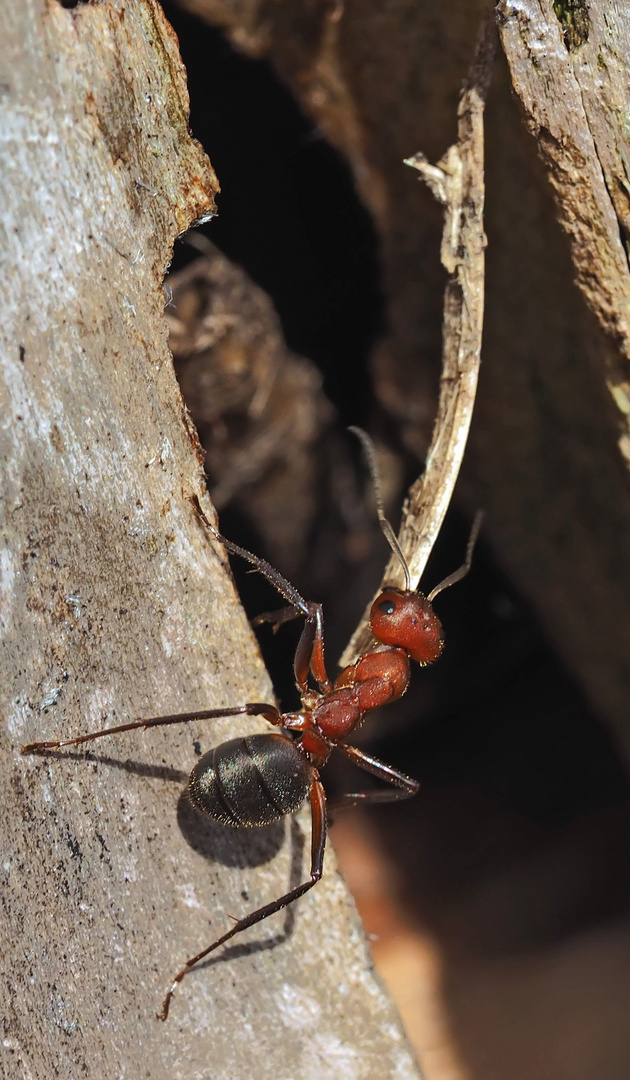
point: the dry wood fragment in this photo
(457, 182)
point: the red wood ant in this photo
(257, 779)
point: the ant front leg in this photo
(403, 787)
(309, 655)
(269, 712)
(278, 618)
(318, 842)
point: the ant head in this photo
(406, 619)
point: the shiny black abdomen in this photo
(251, 781)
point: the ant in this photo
(257, 779)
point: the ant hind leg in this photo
(318, 841)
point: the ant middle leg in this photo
(368, 798)
(403, 787)
(318, 842)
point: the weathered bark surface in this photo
(544, 457)
(114, 604)
(569, 67)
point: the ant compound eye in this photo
(388, 607)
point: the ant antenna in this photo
(390, 535)
(457, 575)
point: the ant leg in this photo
(403, 786)
(318, 841)
(268, 711)
(368, 798)
(310, 651)
(277, 618)
(309, 654)
(284, 587)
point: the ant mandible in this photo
(257, 779)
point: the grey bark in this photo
(115, 604)
(569, 65)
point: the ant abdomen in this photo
(251, 781)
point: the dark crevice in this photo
(575, 22)
(288, 211)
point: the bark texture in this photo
(569, 65)
(115, 604)
(549, 446)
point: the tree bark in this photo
(569, 65)
(115, 604)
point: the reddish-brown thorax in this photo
(406, 627)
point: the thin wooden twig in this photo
(457, 181)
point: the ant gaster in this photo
(257, 779)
